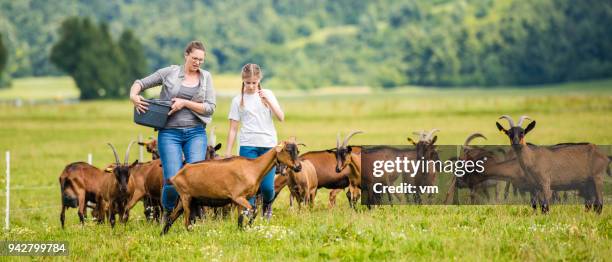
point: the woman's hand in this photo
(177, 104)
(139, 103)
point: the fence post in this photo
(90, 159)
(8, 189)
(140, 148)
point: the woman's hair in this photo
(194, 45)
(250, 70)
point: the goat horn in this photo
(421, 134)
(338, 140)
(114, 153)
(127, 152)
(428, 136)
(471, 137)
(510, 121)
(523, 117)
(345, 143)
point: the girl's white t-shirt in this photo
(257, 128)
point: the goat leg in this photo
(186, 201)
(546, 198)
(82, 205)
(63, 215)
(176, 212)
(111, 214)
(332, 197)
(136, 196)
(597, 184)
(244, 203)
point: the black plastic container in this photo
(157, 114)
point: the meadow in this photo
(44, 138)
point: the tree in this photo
(3, 57)
(88, 54)
(133, 52)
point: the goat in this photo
(219, 182)
(151, 147)
(426, 151)
(212, 146)
(303, 183)
(475, 183)
(367, 178)
(571, 167)
(324, 162)
(145, 183)
(81, 183)
(115, 193)
(346, 156)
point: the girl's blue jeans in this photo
(267, 184)
(174, 144)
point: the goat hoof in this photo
(166, 229)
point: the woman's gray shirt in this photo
(171, 79)
(184, 118)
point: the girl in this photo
(193, 103)
(252, 110)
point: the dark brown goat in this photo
(115, 193)
(219, 182)
(81, 183)
(572, 167)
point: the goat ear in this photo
(135, 163)
(218, 146)
(349, 149)
(433, 141)
(141, 143)
(530, 127)
(108, 170)
(410, 140)
(500, 127)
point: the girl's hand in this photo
(177, 104)
(263, 96)
(139, 103)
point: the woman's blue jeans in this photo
(173, 144)
(267, 184)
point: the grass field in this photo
(44, 138)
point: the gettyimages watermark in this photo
(454, 174)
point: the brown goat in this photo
(81, 183)
(573, 167)
(474, 182)
(303, 183)
(324, 162)
(151, 147)
(115, 193)
(425, 150)
(350, 156)
(145, 184)
(219, 182)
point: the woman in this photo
(253, 109)
(193, 102)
